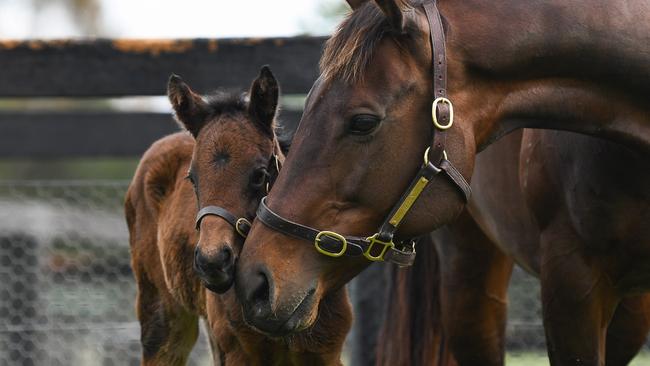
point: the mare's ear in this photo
(264, 96)
(393, 12)
(191, 110)
(354, 4)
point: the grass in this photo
(540, 359)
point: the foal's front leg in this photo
(168, 331)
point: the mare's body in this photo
(579, 66)
(561, 206)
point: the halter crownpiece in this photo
(381, 245)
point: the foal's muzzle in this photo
(216, 271)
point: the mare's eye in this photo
(259, 177)
(363, 124)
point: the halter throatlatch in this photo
(381, 245)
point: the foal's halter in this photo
(242, 225)
(381, 246)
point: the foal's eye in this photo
(258, 178)
(363, 124)
(190, 178)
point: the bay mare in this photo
(223, 161)
(579, 66)
(583, 243)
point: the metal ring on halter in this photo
(434, 115)
(426, 155)
(242, 227)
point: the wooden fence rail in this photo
(110, 68)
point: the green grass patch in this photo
(541, 359)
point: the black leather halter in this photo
(380, 246)
(242, 225)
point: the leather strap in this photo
(388, 228)
(439, 64)
(215, 211)
(242, 225)
(351, 246)
(457, 178)
(436, 152)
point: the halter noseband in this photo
(381, 246)
(242, 225)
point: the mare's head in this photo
(361, 140)
(231, 163)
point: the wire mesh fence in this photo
(67, 292)
(65, 280)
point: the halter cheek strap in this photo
(242, 226)
(442, 116)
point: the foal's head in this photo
(231, 163)
(366, 124)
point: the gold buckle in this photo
(374, 240)
(332, 235)
(240, 221)
(426, 155)
(434, 115)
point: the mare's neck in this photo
(578, 66)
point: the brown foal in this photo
(224, 161)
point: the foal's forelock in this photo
(351, 48)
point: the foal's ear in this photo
(393, 11)
(191, 110)
(263, 104)
(355, 4)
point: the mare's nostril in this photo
(260, 295)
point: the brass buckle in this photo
(242, 221)
(332, 235)
(426, 155)
(375, 240)
(434, 115)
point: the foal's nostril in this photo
(200, 262)
(215, 270)
(224, 256)
(221, 261)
